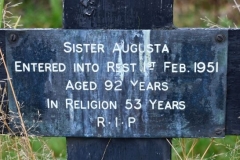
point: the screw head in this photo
(218, 131)
(13, 37)
(220, 38)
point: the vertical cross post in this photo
(233, 84)
(118, 14)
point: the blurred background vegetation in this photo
(187, 13)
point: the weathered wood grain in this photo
(233, 84)
(118, 14)
(118, 149)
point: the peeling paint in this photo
(203, 93)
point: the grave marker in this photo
(133, 78)
(75, 18)
(120, 83)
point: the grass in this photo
(13, 148)
(227, 148)
(24, 147)
(38, 14)
(188, 13)
(1, 11)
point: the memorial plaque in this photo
(119, 83)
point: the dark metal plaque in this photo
(119, 83)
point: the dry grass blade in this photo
(205, 152)
(106, 149)
(17, 23)
(174, 149)
(25, 134)
(3, 115)
(237, 5)
(183, 147)
(7, 16)
(192, 147)
(210, 23)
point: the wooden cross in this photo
(149, 80)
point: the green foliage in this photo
(1, 11)
(13, 148)
(188, 13)
(47, 144)
(39, 14)
(227, 148)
